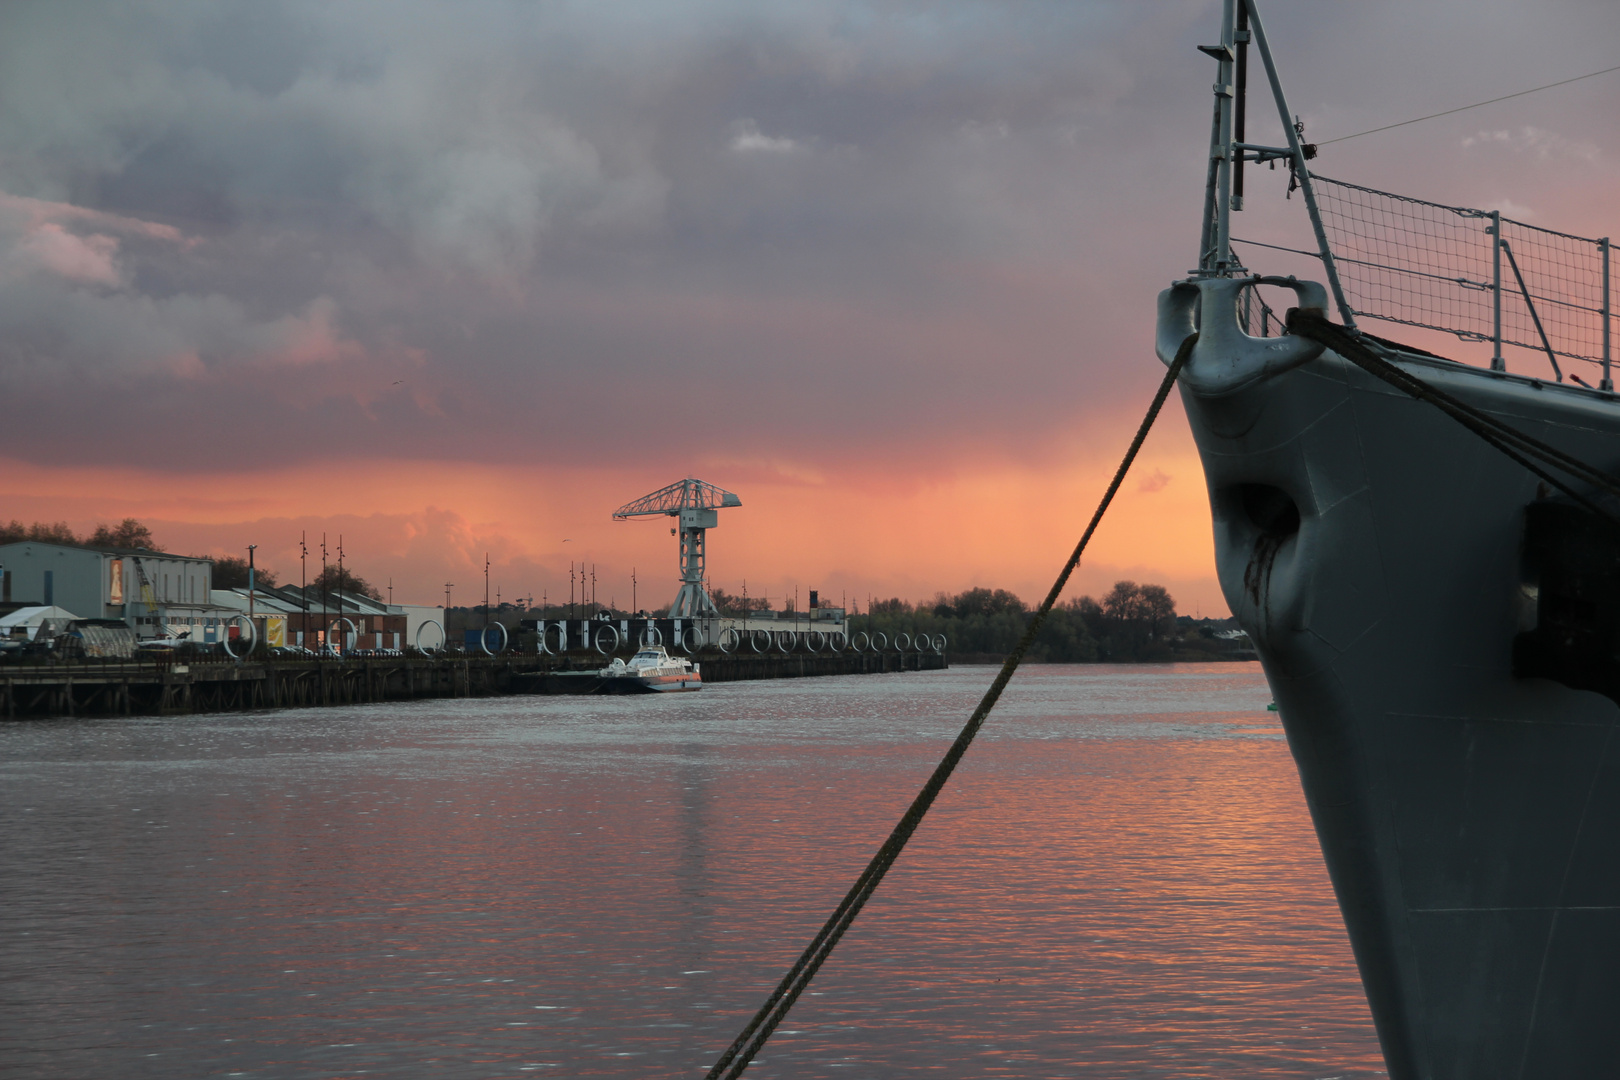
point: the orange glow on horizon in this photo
(1002, 525)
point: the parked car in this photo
(176, 647)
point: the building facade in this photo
(144, 588)
(163, 595)
(313, 617)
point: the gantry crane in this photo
(695, 504)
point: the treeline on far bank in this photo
(1131, 624)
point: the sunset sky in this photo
(457, 278)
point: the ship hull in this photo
(1373, 549)
(650, 684)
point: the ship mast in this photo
(1215, 258)
(1228, 150)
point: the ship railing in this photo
(1473, 273)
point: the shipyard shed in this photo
(146, 589)
(311, 614)
(26, 622)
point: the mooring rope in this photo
(1509, 440)
(748, 1043)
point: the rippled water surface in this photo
(1121, 881)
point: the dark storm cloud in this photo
(513, 230)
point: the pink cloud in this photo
(40, 211)
(310, 338)
(54, 237)
(1154, 482)
(88, 259)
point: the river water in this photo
(1120, 882)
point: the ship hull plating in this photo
(1470, 819)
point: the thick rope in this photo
(752, 1038)
(1515, 444)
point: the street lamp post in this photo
(252, 626)
(342, 641)
(303, 583)
(326, 583)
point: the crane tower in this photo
(695, 504)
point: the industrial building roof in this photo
(138, 553)
(288, 599)
(33, 616)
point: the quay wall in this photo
(737, 667)
(142, 687)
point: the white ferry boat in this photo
(652, 670)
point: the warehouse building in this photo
(157, 593)
(311, 617)
(164, 595)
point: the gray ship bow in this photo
(1374, 550)
(1439, 625)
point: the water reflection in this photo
(1119, 882)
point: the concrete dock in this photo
(218, 684)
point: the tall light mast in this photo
(694, 504)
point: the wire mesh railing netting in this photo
(1429, 265)
(1256, 317)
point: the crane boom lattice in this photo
(695, 503)
(686, 494)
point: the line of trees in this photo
(1131, 623)
(128, 534)
(734, 604)
(231, 572)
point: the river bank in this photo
(96, 687)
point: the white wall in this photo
(415, 616)
(82, 578)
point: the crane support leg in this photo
(693, 601)
(694, 503)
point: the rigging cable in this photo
(753, 1036)
(1509, 440)
(1475, 105)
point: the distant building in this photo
(313, 616)
(26, 622)
(828, 620)
(156, 593)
